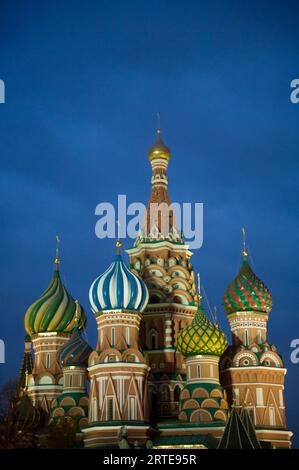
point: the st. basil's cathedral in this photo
(162, 373)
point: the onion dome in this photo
(118, 288)
(75, 351)
(247, 292)
(54, 310)
(159, 149)
(201, 337)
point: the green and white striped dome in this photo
(54, 311)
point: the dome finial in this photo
(158, 125)
(26, 379)
(244, 251)
(77, 314)
(198, 288)
(215, 315)
(118, 244)
(57, 259)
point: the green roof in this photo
(235, 434)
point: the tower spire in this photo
(57, 258)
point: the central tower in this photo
(162, 259)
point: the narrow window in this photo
(198, 371)
(94, 409)
(176, 393)
(165, 395)
(154, 341)
(246, 339)
(71, 380)
(272, 416)
(128, 335)
(48, 361)
(110, 409)
(112, 336)
(259, 397)
(132, 408)
(259, 337)
(280, 398)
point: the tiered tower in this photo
(162, 259)
(117, 369)
(49, 322)
(252, 371)
(73, 401)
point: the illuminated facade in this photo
(161, 369)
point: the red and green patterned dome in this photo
(247, 293)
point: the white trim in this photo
(256, 367)
(103, 365)
(99, 428)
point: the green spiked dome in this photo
(247, 293)
(54, 310)
(201, 337)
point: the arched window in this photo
(165, 393)
(154, 341)
(176, 393)
(152, 399)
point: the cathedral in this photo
(162, 374)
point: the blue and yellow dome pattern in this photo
(118, 288)
(201, 337)
(54, 310)
(75, 352)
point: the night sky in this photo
(84, 82)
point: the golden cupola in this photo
(159, 150)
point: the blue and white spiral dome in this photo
(118, 288)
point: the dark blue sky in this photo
(84, 81)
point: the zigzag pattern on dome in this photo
(247, 293)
